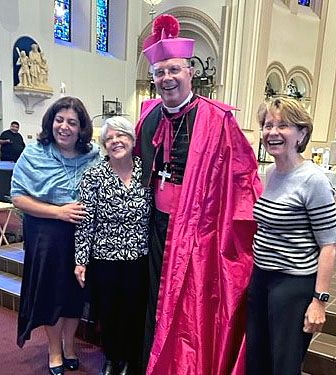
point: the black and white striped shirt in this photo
(296, 216)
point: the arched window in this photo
(102, 25)
(293, 90)
(273, 85)
(304, 2)
(62, 20)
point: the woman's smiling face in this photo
(280, 138)
(118, 144)
(66, 127)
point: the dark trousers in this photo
(277, 302)
(155, 258)
(119, 296)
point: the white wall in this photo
(293, 39)
(212, 8)
(295, 42)
(86, 74)
(325, 82)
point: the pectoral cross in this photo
(164, 174)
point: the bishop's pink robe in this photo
(201, 311)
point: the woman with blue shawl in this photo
(45, 186)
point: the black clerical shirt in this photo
(11, 151)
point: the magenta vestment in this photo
(201, 311)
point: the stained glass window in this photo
(102, 25)
(62, 20)
(304, 2)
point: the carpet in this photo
(33, 358)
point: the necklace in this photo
(164, 173)
(73, 193)
(178, 129)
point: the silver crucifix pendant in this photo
(164, 174)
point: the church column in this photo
(293, 6)
(243, 55)
(323, 107)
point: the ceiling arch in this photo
(193, 23)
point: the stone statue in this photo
(24, 71)
(43, 71)
(35, 64)
(33, 84)
(34, 69)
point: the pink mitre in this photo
(164, 43)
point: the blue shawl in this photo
(42, 172)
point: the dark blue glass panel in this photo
(304, 2)
(102, 25)
(62, 20)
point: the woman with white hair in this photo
(113, 238)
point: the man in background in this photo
(12, 143)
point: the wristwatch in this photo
(323, 296)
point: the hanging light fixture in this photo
(152, 3)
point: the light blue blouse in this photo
(42, 172)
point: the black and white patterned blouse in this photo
(116, 226)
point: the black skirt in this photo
(49, 287)
(119, 296)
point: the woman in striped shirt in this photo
(294, 247)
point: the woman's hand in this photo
(314, 317)
(80, 275)
(72, 212)
(315, 314)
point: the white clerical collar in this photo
(178, 108)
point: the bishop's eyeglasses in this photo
(173, 70)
